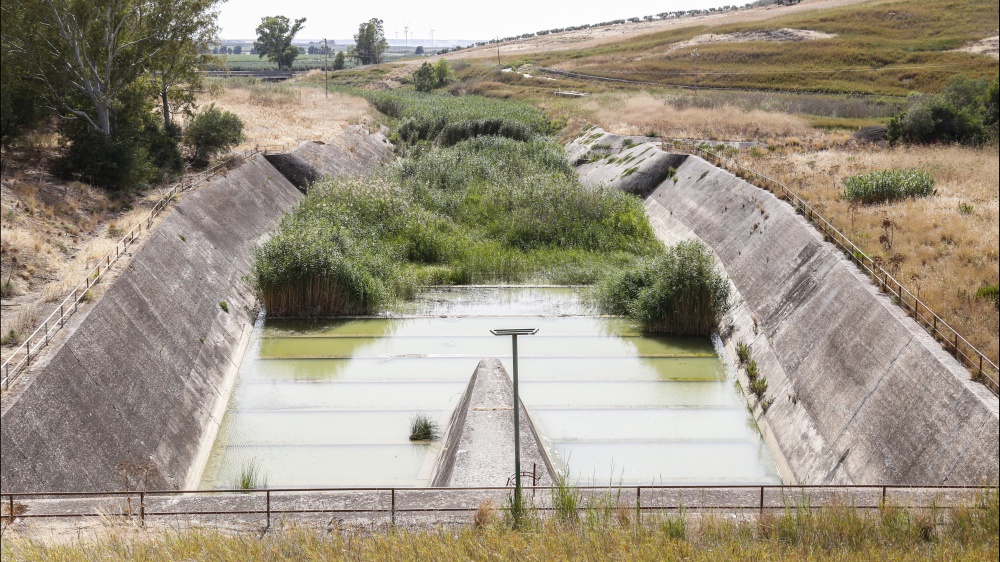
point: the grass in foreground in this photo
(602, 533)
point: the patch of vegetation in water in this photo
(487, 210)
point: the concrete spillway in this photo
(479, 446)
(145, 377)
(862, 393)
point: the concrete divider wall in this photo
(862, 393)
(145, 377)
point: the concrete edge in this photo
(445, 460)
(211, 430)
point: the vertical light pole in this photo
(696, 56)
(513, 333)
(326, 68)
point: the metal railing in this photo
(983, 368)
(21, 357)
(388, 504)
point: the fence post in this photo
(761, 501)
(142, 508)
(267, 499)
(638, 505)
(392, 507)
(883, 496)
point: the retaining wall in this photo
(862, 393)
(145, 377)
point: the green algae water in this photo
(328, 403)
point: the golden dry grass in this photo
(644, 113)
(284, 114)
(948, 242)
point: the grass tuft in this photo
(423, 428)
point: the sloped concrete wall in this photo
(353, 152)
(862, 393)
(146, 375)
(138, 380)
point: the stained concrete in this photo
(863, 394)
(353, 152)
(479, 445)
(141, 379)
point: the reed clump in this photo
(679, 292)
(488, 209)
(888, 185)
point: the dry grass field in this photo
(284, 114)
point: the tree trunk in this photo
(104, 119)
(166, 109)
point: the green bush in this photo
(888, 185)
(210, 132)
(965, 112)
(989, 293)
(677, 293)
(117, 164)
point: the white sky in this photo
(450, 19)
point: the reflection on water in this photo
(328, 403)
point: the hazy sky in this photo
(450, 19)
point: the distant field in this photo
(302, 62)
(890, 48)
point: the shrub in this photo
(965, 112)
(888, 185)
(758, 386)
(753, 371)
(989, 293)
(677, 293)
(211, 132)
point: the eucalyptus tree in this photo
(274, 39)
(369, 42)
(185, 30)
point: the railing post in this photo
(142, 508)
(638, 505)
(392, 507)
(761, 501)
(883, 496)
(267, 501)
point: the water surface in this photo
(328, 403)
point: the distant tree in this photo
(274, 40)
(311, 50)
(369, 42)
(424, 79)
(419, 50)
(339, 61)
(442, 73)
(238, 50)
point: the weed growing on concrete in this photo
(520, 513)
(742, 352)
(753, 371)
(224, 306)
(758, 386)
(423, 428)
(486, 513)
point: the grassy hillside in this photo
(882, 47)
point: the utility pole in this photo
(696, 56)
(326, 68)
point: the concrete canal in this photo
(328, 403)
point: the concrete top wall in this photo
(862, 393)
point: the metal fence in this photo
(983, 369)
(43, 334)
(437, 504)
